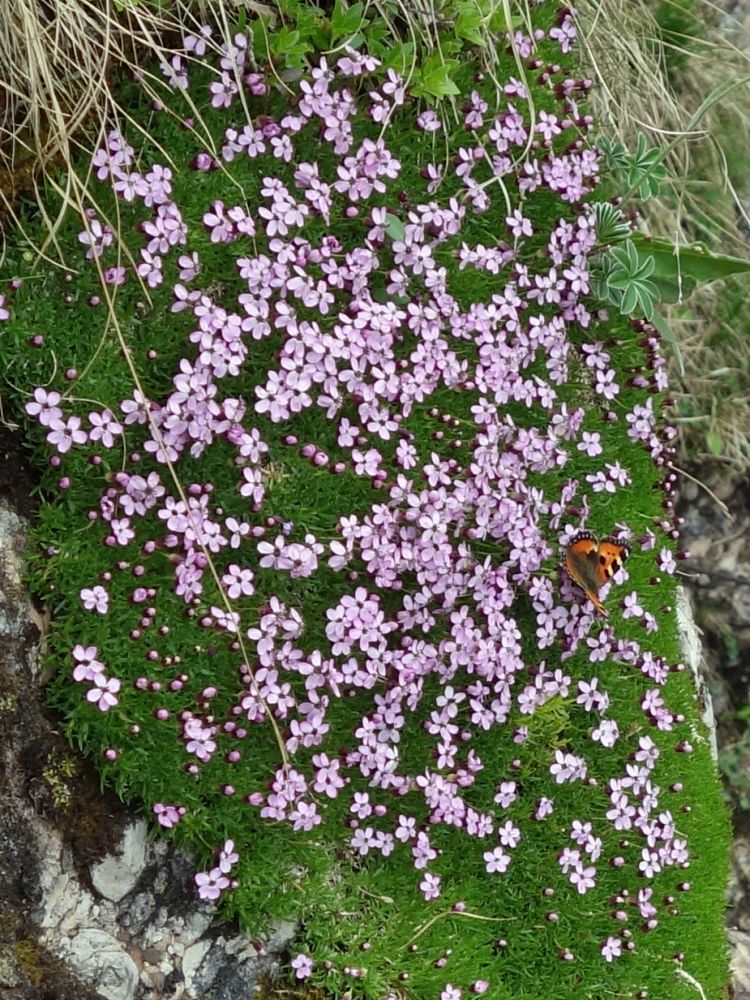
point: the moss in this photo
(58, 770)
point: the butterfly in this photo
(590, 563)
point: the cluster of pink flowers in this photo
(449, 656)
(212, 883)
(89, 669)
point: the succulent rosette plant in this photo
(323, 401)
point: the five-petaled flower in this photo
(95, 599)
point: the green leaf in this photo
(468, 24)
(610, 225)
(345, 20)
(435, 77)
(288, 47)
(678, 271)
(398, 57)
(626, 257)
(499, 24)
(395, 227)
(714, 443)
(377, 30)
(629, 300)
(615, 153)
(313, 28)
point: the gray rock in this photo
(692, 652)
(191, 962)
(739, 943)
(116, 875)
(140, 912)
(103, 961)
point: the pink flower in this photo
(631, 606)
(211, 884)
(97, 238)
(189, 265)
(104, 428)
(115, 275)
(302, 965)
(509, 835)
(65, 433)
(496, 861)
(104, 694)
(519, 225)
(175, 72)
(666, 561)
(583, 878)
(87, 666)
(611, 949)
(590, 444)
(430, 886)
(167, 815)
(44, 406)
(95, 599)
(238, 582)
(223, 91)
(228, 857)
(450, 992)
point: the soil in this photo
(17, 479)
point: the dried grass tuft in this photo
(58, 61)
(654, 82)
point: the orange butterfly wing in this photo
(590, 563)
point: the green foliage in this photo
(406, 38)
(678, 271)
(641, 172)
(625, 280)
(435, 77)
(363, 911)
(682, 27)
(346, 21)
(611, 227)
(637, 271)
(734, 762)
